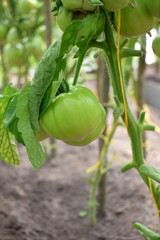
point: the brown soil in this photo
(45, 205)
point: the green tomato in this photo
(64, 18)
(35, 46)
(3, 33)
(95, 134)
(156, 46)
(154, 7)
(40, 8)
(13, 35)
(26, 24)
(78, 4)
(41, 31)
(135, 21)
(14, 54)
(25, 6)
(74, 116)
(114, 5)
(41, 134)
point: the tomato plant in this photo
(64, 18)
(14, 54)
(77, 5)
(41, 134)
(143, 19)
(35, 47)
(25, 6)
(45, 106)
(13, 35)
(26, 24)
(95, 134)
(3, 32)
(74, 117)
(153, 8)
(156, 46)
(41, 31)
(111, 5)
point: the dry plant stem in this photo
(103, 83)
(48, 22)
(140, 87)
(98, 173)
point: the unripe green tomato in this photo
(154, 7)
(95, 134)
(25, 6)
(35, 46)
(156, 46)
(73, 116)
(41, 134)
(13, 35)
(3, 32)
(78, 4)
(40, 8)
(64, 18)
(135, 21)
(41, 31)
(26, 24)
(114, 5)
(14, 54)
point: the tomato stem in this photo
(79, 65)
(134, 129)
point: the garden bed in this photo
(45, 205)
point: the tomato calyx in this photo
(78, 15)
(64, 88)
(56, 5)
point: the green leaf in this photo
(93, 204)
(147, 233)
(90, 27)
(118, 112)
(151, 172)
(34, 150)
(11, 120)
(8, 149)
(96, 3)
(43, 77)
(10, 91)
(50, 93)
(83, 214)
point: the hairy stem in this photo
(134, 130)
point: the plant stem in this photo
(102, 160)
(79, 65)
(103, 83)
(48, 22)
(134, 130)
(140, 86)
